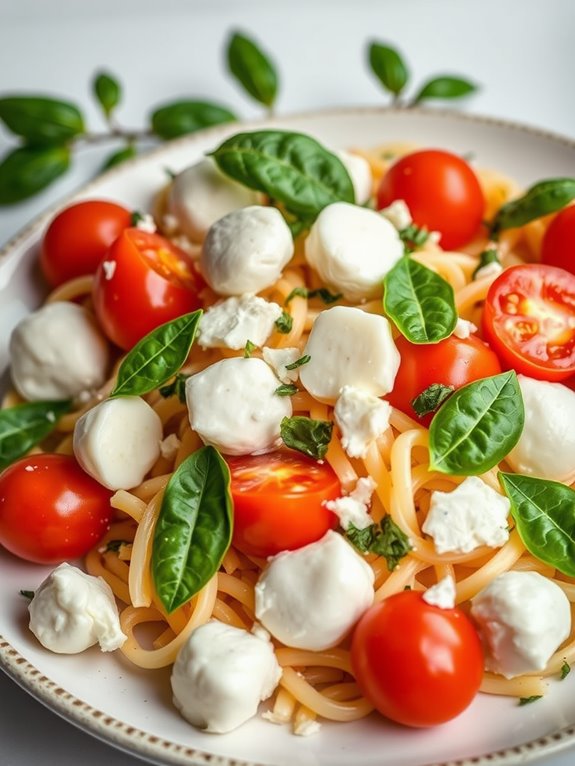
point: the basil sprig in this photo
(157, 357)
(252, 69)
(194, 528)
(312, 437)
(544, 513)
(541, 199)
(419, 302)
(477, 426)
(108, 92)
(23, 426)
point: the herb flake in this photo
(384, 539)
(431, 398)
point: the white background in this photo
(521, 53)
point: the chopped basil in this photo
(29, 594)
(249, 349)
(529, 700)
(287, 389)
(413, 237)
(312, 437)
(565, 670)
(485, 258)
(284, 323)
(176, 388)
(113, 546)
(298, 362)
(431, 398)
(136, 218)
(321, 292)
(384, 539)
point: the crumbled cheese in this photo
(169, 446)
(306, 728)
(109, 269)
(489, 270)
(398, 214)
(146, 223)
(235, 321)
(442, 594)
(353, 508)
(361, 418)
(279, 358)
(464, 328)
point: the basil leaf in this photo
(444, 87)
(249, 349)
(182, 117)
(477, 426)
(413, 237)
(121, 155)
(194, 528)
(312, 437)
(384, 539)
(528, 700)
(321, 292)
(40, 120)
(286, 389)
(485, 258)
(292, 168)
(23, 426)
(252, 69)
(388, 66)
(420, 302)
(298, 362)
(157, 357)
(541, 199)
(108, 92)
(284, 323)
(26, 171)
(176, 388)
(544, 512)
(565, 670)
(431, 398)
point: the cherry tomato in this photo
(50, 510)
(78, 238)
(558, 246)
(441, 191)
(279, 501)
(143, 282)
(418, 664)
(453, 362)
(529, 320)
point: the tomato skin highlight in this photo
(51, 510)
(78, 238)
(143, 282)
(279, 501)
(529, 321)
(558, 245)
(418, 664)
(441, 191)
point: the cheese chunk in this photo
(442, 594)
(361, 418)
(398, 214)
(279, 359)
(235, 321)
(354, 508)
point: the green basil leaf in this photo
(413, 237)
(528, 700)
(182, 117)
(565, 670)
(26, 171)
(108, 92)
(544, 513)
(384, 539)
(249, 349)
(157, 357)
(312, 437)
(419, 301)
(41, 120)
(194, 528)
(121, 155)
(284, 323)
(23, 426)
(541, 199)
(252, 69)
(298, 362)
(444, 87)
(389, 67)
(431, 398)
(321, 292)
(286, 389)
(477, 426)
(292, 168)
(176, 388)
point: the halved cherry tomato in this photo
(558, 246)
(441, 191)
(144, 281)
(418, 664)
(79, 237)
(279, 501)
(453, 362)
(529, 320)
(50, 510)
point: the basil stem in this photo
(194, 528)
(312, 437)
(541, 199)
(23, 426)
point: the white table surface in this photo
(521, 52)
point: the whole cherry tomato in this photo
(558, 246)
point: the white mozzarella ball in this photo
(58, 352)
(221, 674)
(546, 447)
(360, 173)
(352, 249)
(72, 611)
(118, 441)
(349, 347)
(233, 406)
(310, 598)
(523, 618)
(246, 251)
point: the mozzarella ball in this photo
(523, 618)
(352, 249)
(349, 347)
(233, 406)
(360, 173)
(118, 441)
(72, 611)
(221, 674)
(58, 353)
(310, 598)
(246, 251)
(546, 447)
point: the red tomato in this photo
(529, 320)
(78, 238)
(453, 362)
(279, 501)
(558, 246)
(144, 282)
(418, 664)
(441, 191)
(50, 510)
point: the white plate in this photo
(131, 708)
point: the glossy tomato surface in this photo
(279, 501)
(452, 362)
(78, 238)
(144, 282)
(529, 320)
(441, 191)
(418, 664)
(558, 246)
(50, 510)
